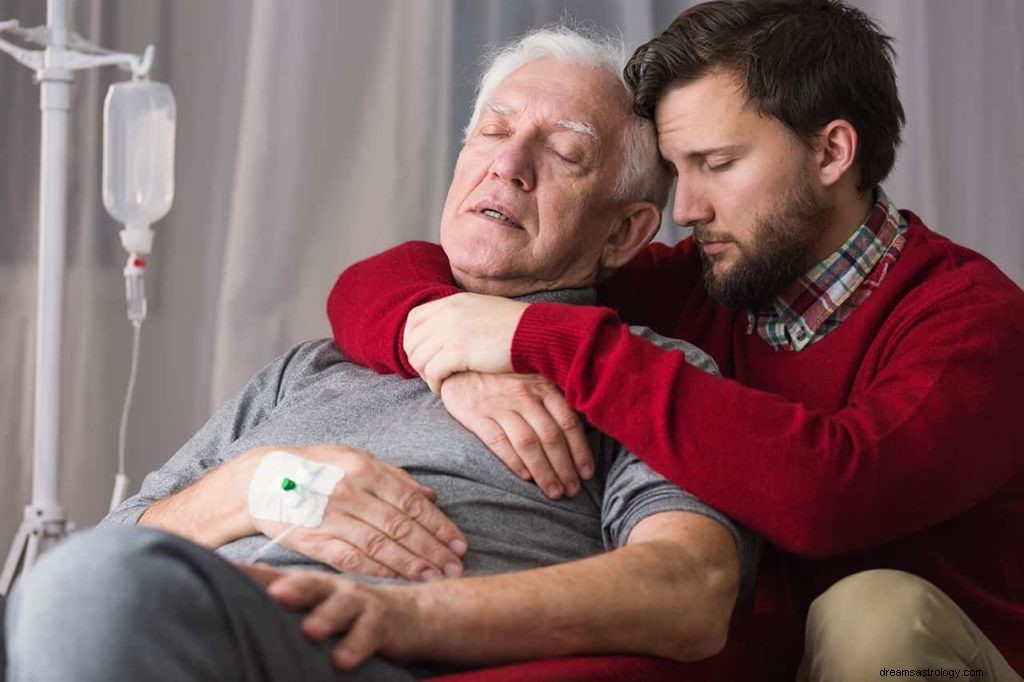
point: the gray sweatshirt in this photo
(312, 395)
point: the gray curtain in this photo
(315, 133)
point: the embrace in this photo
(548, 436)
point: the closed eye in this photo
(493, 131)
(564, 157)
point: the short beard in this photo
(784, 237)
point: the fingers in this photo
(573, 429)
(494, 437)
(326, 547)
(348, 609)
(301, 589)
(261, 573)
(362, 640)
(405, 501)
(384, 515)
(527, 445)
(407, 528)
(335, 606)
(374, 544)
(553, 443)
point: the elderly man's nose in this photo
(513, 164)
(691, 205)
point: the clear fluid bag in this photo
(138, 152)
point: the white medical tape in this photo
(301, 502)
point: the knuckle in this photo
(568, 421)
(357, 466)
(375, 543)
(399, 526)
(347, 561)
(491, 436)
(550, 434)
(413, 504)
(524, 441)
(343, 490)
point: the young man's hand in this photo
(460, 333)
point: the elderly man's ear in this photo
(633, 233)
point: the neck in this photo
(848, 214)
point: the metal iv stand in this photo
(45, 521)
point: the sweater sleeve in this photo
(370, 301)
(935, 430)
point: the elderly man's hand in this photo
(369, 619)
(525, 421)
(460, 333)
(378, 521)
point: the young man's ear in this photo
(633, 233)
(837, 151)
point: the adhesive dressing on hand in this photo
(292, 489)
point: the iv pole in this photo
(45, 521)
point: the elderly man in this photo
(869, 424)
(557, 184)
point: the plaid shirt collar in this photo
(817, 302)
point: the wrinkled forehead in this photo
(590, 102)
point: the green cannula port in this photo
(287, 484)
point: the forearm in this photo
(816, 483)
(211, 512)
(652, 598)
(370, 301)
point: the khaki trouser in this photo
(870, 624)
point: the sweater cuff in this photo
(549, 336)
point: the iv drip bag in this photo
(138, 158)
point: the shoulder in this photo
(949, 289)
(303, 362)
(941, 266)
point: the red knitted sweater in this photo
(897, 441)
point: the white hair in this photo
(643, 177)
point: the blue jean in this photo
(138, 604)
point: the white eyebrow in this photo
(578, 127)
(569, 124)
(500, 109)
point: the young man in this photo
(869, 425)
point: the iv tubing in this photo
(120, 480)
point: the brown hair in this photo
(802, 62)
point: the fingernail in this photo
(586, 471)
(458, 546)
(429, 574)
(573, 488)
(554, 491)
(452, 570)
(524, 474)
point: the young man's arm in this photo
(670, 592)
(369, 302)
(887, 463)
(371, 299)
